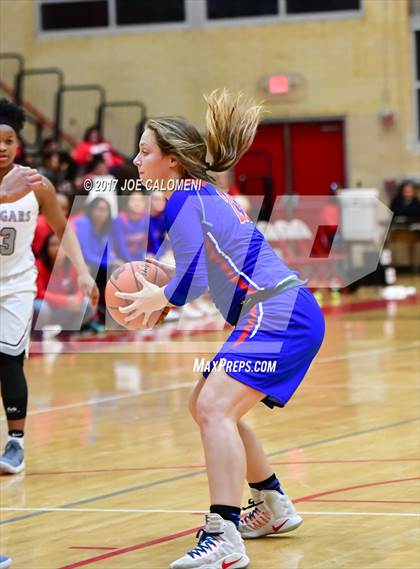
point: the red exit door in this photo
(317, 157)
(265, 158)
(294, 157)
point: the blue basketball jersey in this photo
(217, 246)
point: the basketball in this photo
(124, 279)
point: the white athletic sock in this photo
(19, 440)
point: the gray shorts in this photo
(15, 322)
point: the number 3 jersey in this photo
(216, 245)
(17, 227)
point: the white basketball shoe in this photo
(272, 512)
(220, 546)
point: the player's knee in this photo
(208, 411)
(203, 413)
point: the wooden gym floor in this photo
(115, 474)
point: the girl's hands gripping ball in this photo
(124, 280)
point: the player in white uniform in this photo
(23, 192)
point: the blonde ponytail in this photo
(231, 124)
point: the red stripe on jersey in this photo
(218, 259)
(245, 332)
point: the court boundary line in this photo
(172, 537)
(198, 513)
(200, 472)
(346, 436)
(201, 513)
(130, 548)
(310, 497)
(307, 498)
(193, 466)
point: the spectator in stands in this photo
(51, 167)
(94, 144)
(69, 170)
(50, 144)
(59, 299)
(97, 167)
(103, 183)
(131, 229)
(157, 231)
(126, 171)
(406, 209)
(406, 203)
(95, 233)
(42, 229)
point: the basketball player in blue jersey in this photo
(275, 318)
(23, 193)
